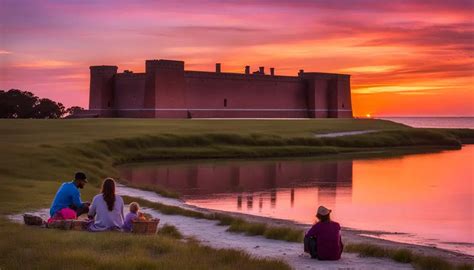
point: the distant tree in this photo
(73, 110)
(15, 103)
(46, 108)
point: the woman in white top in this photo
(106, 209)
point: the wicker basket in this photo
(32, 220)
(145, 226)
(65, 224)
(79, 225)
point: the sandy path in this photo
(346, 133)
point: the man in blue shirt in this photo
(69, 196)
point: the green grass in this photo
(405, 256)
(237, 225)
(28, 248)
(37, 155)
(171, 231)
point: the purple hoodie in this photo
(328, 240)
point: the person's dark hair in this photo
(108, 192)
(322, 218)
(80, 176)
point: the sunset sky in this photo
(405, 57)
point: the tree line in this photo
(15, 103)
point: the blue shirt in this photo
(68, 194)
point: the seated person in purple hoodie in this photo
(323, 241)
(134, 214)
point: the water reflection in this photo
(427, 196)
(245, 182)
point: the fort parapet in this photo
(166, 90)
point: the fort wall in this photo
(129, 94)
(227, 95)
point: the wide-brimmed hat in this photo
(323, 211)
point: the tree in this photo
(15, 103)
(46, 108)
(73, 110)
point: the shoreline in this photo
(353, 235)
(272, 248)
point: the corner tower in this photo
(165, 89)
(102, 90)
(329, 95)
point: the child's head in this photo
(134, 206)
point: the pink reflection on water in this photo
(426, 196)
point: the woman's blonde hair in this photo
(134, 206)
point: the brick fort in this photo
(167, 90)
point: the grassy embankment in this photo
(38, 154)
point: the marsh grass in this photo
(171, 231)
(405, 256)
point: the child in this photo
(134, 214)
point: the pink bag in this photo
(65, 213)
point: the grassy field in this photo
(39, 154)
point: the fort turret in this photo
(164, 89)
(329, 94)
(101, 98)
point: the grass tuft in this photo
(171, 231)
(418, 261)
(284, 233)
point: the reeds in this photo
(403, 255)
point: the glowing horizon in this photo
(406, 58)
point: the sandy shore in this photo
(210, 234)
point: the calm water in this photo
(428, 197)
(435, 122)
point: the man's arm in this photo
(76, 198)
(312, 232)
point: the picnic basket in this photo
(65, 224)
(79, 225)
(32, 220)
(145, 226)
